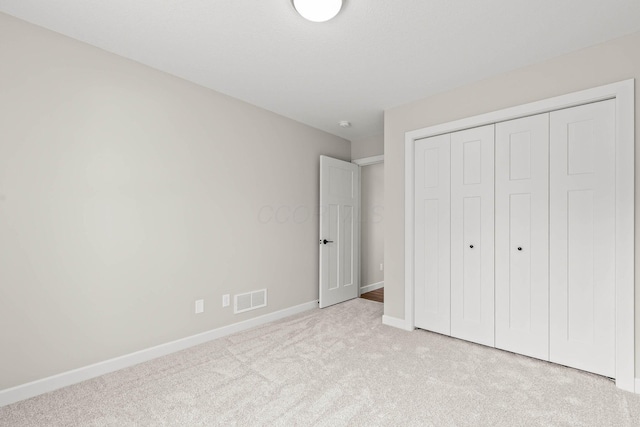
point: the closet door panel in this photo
(472, 235)
(582, 237)
(432, 231)
(522, 236)
(472, 259)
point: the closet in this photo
(514, 235)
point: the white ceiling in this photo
(374, 55)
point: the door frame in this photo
(623, 93)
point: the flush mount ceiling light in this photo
(318, 10)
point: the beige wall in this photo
(598, 65)
(126, 194)
(367, 147)
(372, 226)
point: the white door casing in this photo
(339, 231)
(522, 236)
(582, 237)
(472, 235)
(432, 195)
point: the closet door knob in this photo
(519, 248)
(471, 246)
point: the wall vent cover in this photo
(249, 301)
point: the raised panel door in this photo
(432, 234)
(472, 235)
(582, 237)
(522, 236)
(339, 241)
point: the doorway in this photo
(372, 228)
(351, 230)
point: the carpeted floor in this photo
(333, 367)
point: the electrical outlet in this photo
(381, 267)
(225, 300)
(199, 306)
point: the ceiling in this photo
(374, 55)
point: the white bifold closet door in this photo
(582, 237)
(472, 235)
(522, 236)
(432, 231)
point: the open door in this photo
(339, 231)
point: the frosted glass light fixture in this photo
(318, 10)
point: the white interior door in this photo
(472, 235)
(582, 237)
(432, 234)
(522, 236)
(339, 230)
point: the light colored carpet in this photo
(333, 367)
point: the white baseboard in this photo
(45, 385)
(637, 385)
(395, 322)
(371, 287)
